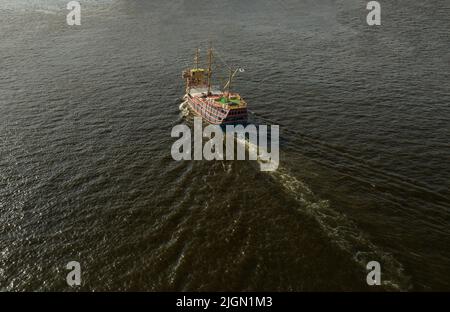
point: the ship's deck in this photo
(233, 102)
(217, 97)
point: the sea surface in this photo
(86, 172)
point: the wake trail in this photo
(339, 228)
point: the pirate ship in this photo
(215, 105)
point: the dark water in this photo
(86, 172)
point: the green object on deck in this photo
(224, 100)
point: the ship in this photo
(218, 106)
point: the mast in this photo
(209, 68)
(229, 84)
